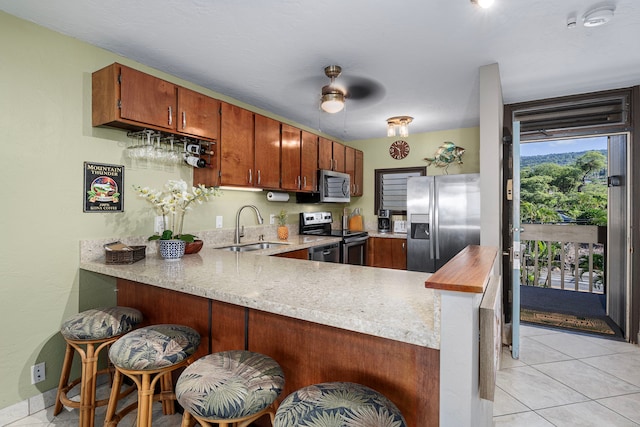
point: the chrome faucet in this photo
(239, 233)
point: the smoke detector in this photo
(598, 17)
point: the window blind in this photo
(394, 190)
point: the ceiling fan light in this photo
(391, 129)
(332, 102)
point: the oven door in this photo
(354, 250)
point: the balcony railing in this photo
(563, 256)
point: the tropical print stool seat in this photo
(87, 333)
(230, 388)
(148, 356)
(338, 404)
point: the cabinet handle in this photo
(184, 119)
(305, 181)
(259, 177)
(403, 246)
(250, 177)
(170, 116)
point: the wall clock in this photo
(399, 150)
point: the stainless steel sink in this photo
(252, 246)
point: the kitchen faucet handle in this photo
(241, 231)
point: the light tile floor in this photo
(568, 379)
(561, 379)
(69, 417)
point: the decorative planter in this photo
(193, 247)
(171, 250)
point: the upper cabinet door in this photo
(198, 114)
(236, 146)
(309, 162)
(290, 158)
(267, 157)
(359, 168)
(147, 99)
(325, 154)
(338, 157)
(350, 165)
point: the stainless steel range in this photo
(353, 248)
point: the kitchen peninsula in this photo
(321, 321)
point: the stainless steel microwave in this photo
(333, 187)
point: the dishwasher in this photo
(325, 253)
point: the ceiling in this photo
(422, 55)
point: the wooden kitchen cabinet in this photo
(331, 155)
(130, 99)
(297, 254)
(338, 157)
(387, 252)
(309, 162)
(325, 153)
(291, 158)
(267, 153)
(353, 166)
(359, 168)
(198, 114)
(236, 146)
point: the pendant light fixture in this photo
(398, 124)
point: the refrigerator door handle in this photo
(435, 228)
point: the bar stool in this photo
(148, 356)
(230, 388)
(338, 404)
(87, 333)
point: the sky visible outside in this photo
(563, 146)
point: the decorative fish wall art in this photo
(446, 154)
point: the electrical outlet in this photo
(272, 219)
(37, 373)
(158, 225)
(219, 221)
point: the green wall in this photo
(45, 121)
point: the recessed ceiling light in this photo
(597, 17)
(483, 3)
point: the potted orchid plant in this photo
(173, 204)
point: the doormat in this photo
(567, 321)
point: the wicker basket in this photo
(125, 257)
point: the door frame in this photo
(633, 120)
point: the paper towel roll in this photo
(277, 197)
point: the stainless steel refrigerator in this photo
(443, 214)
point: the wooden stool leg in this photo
(64, 377)
(88, 387)
(145, 401)
(113, 400)
(167, 395)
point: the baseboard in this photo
(27, 407)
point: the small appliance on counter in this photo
(399, 226)
(384, 220)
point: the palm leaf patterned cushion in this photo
(154, 347)
(229, 385)
(100, 323)
(338, 404)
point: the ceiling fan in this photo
(334, 95)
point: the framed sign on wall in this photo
(103, 187)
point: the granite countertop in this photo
(387, 235)
(392, 304)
